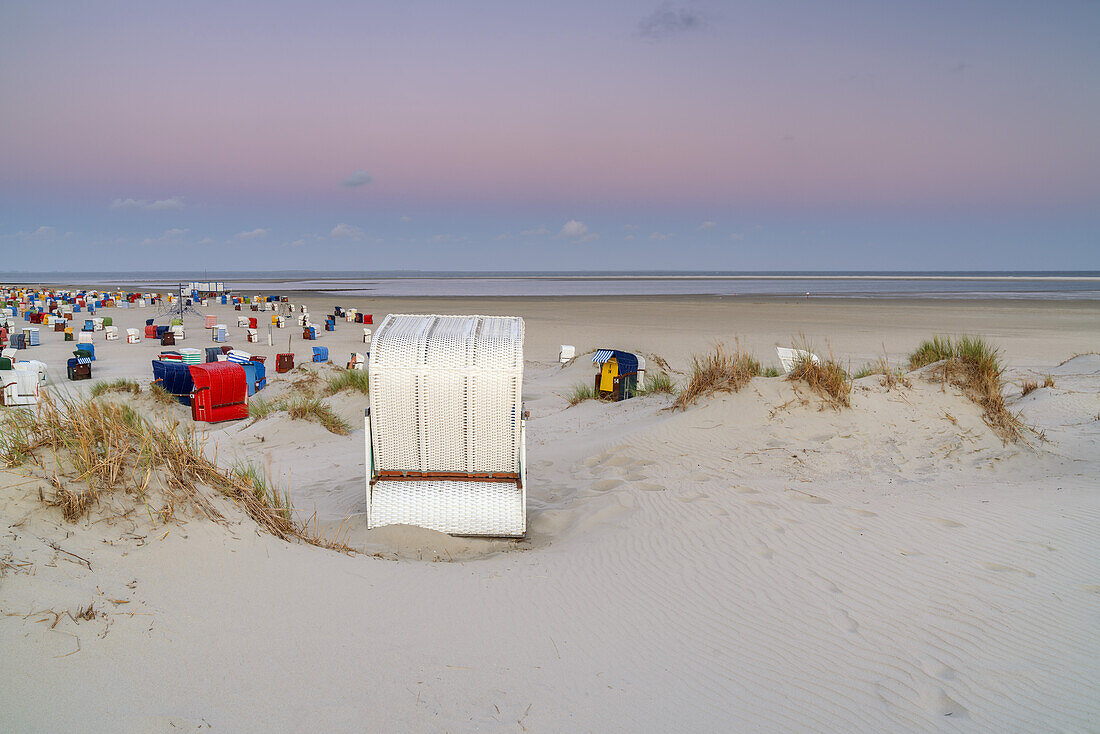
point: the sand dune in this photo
(759, 562)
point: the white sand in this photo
(755, 563)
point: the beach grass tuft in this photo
(723, 369)
(1048, 381)
(312, 409)
(121, 385)
(580, 392)
(358, 380)
(658, 383)
(825, 377)
(891, 376)
(974, 365)
(160, 395)
(936, 349)
(1028, 387)
(771, 371)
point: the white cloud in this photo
(298, 243)
(346, 231)
(737, 236)
(631, 227)
(406, 218)
(252, 234)
(174, 203)
(658, 237)
(573, 229)
(503, 236)
(589, 237)
(707, 225)
(357, 179)
(629, 238)
(169, 235)
(206, 241)
(536, 232)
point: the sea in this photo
(982, 285)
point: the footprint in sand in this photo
(764, 551)
(823, 583)
(946, 523)
(935, 668)
(746, 490)
(606, 484)
(1091, 588)
(760, 503)
(843, 620)
(701, 477)
(694, 497)
(863, 513)
(813, 499)
(651, 487)
(935, 699)
(1001, 568)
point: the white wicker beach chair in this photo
(445, 435)
(790, 357)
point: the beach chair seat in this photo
(445, 428)
(790, 357)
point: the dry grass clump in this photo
(96, 449)
(160, 395)
(1048, 381)
(973, 365)
(312, 409)
(721, 370)
(124, 386)
(658, 383)
(1028, 387)
(825, 377)
(358, 380)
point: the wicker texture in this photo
(454, 507)
(445, 398)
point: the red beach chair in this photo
(221, 393)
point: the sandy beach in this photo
(761, 561)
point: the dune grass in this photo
(771, 371)
(936, 349)
(973, 365)
(98, 448)
(263, 488)
(124, 386)
(1048, 381)
(1028, 387)
(658, 383)
(358, 380)
(825, 377)
(724, 369)
(312, 409)
(580, 392)
(160, 395)
(259, 408)
(891, 376)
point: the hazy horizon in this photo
(696, 136)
